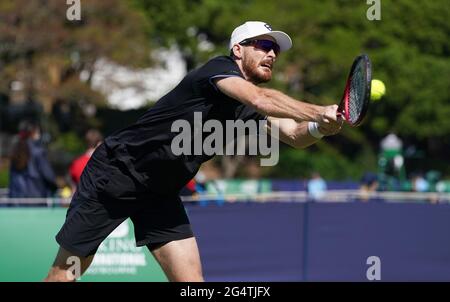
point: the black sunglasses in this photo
(265, 45)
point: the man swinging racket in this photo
(134, 173)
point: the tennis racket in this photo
(356, 98)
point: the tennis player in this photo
(134, 174)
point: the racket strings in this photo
(356, 94)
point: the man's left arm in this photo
(296, 134)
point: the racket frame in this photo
(343, 106)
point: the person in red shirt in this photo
(93, 140)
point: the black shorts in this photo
(97, 209)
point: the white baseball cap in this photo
(253, 29)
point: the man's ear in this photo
(237, 51)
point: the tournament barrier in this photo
(323, 241)
(256, 241)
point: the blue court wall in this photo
(323, 241)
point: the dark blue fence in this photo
(322, 241)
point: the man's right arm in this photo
(297, 134)
(274, 103)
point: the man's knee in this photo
(180, 260)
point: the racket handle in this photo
(341, 114)
(341, 109)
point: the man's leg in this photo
(180, 260)
(64, 268)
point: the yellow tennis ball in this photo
(377, 90)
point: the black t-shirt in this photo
(144, 148)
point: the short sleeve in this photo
(219, 67)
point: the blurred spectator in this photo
(93, 139)
(420, 184)
(65, 192)
(201, 187)
(391, 143)
(189, 189)
(200, 182)
(196, 188)
(4, 103)
(317, 187)
(62, 113)
(391, 163)
(253, 168)
(432, 177)
(369, 185)
(31, 175)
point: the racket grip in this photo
(341, 110)
(341, 114)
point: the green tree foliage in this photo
(54, 59)
(47, 52)
(4, 177)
